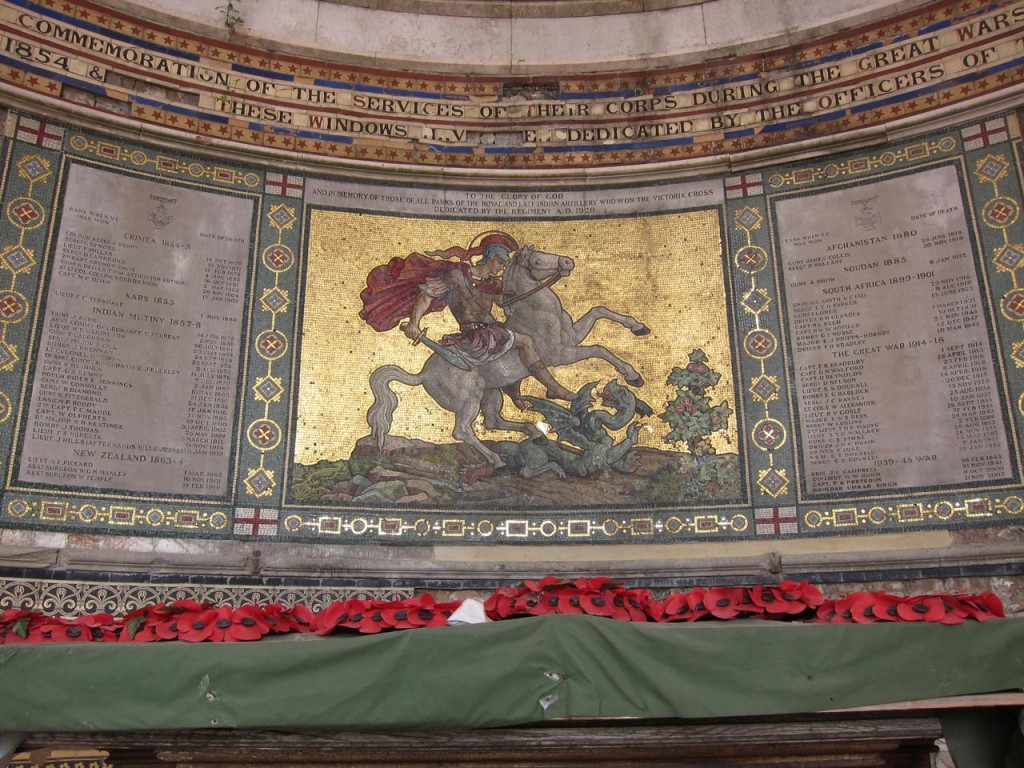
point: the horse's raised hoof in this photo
(636, 381)
(643, 330)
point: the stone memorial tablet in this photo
(136, 372)
(895, 380)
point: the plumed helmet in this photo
(496, 245)
(488, 245)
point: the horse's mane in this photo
(512, 275)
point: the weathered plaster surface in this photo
(439, 42)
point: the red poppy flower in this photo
(29, 627)
(181, 606)
(46, 629)
(67, 631)
(826, 612)
(425, 611)
(597, 584)
(656, 610)
(843, 609)
(140, 625)
(770, 599)
(395, 615)
(953, 611)
(428, 617)
(502, 602)
(887, 606)
(247, 622)
(696, 603)
(15, 623)
(570, 601)
(299, 618)
(545, 583)
(747, 604)
(370, 621)
(336, 615)
(982, 607)
(674, 608)
(178, 616)
(100, 626)
(274, 615)
(222, 620)
(724, 602)
(442, 612)
(547, 602)
(862, 607)
(922, 608)
(11, 615)
(283, 620)
(501, 605)
(788, 598)
(598, 603)
(168, 627)
(192, 626)
(630, 604)
(801, 592)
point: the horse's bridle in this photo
(509, 298)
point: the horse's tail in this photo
(385, 401)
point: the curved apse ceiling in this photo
(519, 37)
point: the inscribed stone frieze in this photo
(939, 55)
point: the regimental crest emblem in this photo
(160, 217)
(866, 218)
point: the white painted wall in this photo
(509, 45)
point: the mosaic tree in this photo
(690, 414)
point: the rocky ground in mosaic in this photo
(423, 474)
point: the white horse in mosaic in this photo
(531, 307)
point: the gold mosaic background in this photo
(664, 270)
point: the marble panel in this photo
(895, 379)
(136, 383)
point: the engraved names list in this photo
(135, 382)
(895, 382)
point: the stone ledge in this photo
(419, 565)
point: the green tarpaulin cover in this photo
(501, 674)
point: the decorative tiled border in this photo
(36, 161)
(581, 526)
(33, 165)
(74, 597)
(265, 434)
(98, 515)
(257, 510)
(758, 328)
(951, 511)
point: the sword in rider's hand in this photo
(445, 354)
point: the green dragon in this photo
(584, 445)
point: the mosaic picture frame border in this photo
(258, 508)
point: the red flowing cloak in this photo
(392, 288)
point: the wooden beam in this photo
(808, 742)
